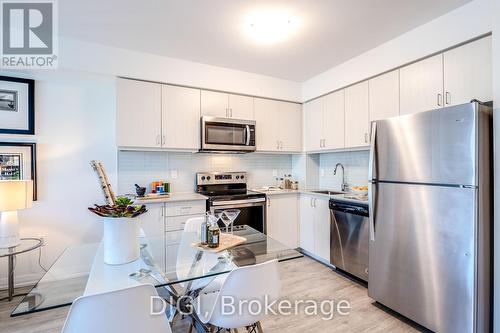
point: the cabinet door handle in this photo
(281, 145)
(231, 112)
(163, 140)
(311, 203)
(268, 202)
(314, 202)
(158, 140)
(448, 98)
(227, 113)
(366, 137)
(277, 144)
(440, 100)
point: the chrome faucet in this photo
(344, 186)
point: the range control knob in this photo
(242, 176)
(202, 177)
(237, 177)
(208, 177)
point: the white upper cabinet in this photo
(180, 118)
(356, 115)
(290, 127)
(279, 125)
(241, 107)
(214, 104)
(313, 125)
(468, 73)
(421, 85)
(384, 96)
(324, 122)
(267, 120)
(333, 120)
(224, 105)
(138, 116)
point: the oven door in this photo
(253, 212)
(221, 134)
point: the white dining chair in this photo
(186, 256)
(245, 285)
(121, 311)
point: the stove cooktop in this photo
(234, 196)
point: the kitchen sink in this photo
(329, 192)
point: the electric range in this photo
(228, 190)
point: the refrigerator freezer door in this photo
(421, 262)
(437, 147)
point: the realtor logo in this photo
(28, 34)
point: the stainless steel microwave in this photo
(227, 135)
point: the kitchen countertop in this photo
(310, 192)
(174, 197)
(276, 192)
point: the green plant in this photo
(123, 201)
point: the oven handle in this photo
(241, 203)
(248, 135)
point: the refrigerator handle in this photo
(371, 165)
(372, 181)
(371, 209)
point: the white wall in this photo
(78, 55)
(455, 27)
(75, 115)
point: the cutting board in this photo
(153, 196)
(227, 241)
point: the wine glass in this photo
(230, 216)
(213, 217)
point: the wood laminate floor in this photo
(301, 279)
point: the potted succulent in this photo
(121, 230)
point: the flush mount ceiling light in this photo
(270, 26)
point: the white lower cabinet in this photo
(322, 228)
(314, 234)
(282, 219)
(306, 225)
(162, 218)
(152, 222)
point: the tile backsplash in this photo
(355, 164)
(180, 169)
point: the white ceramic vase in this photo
(121, 240)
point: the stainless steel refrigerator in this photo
(430, 200)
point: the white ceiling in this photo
(212, 31)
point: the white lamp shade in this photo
(15, 194)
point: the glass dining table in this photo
(174, 263)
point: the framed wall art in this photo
(17, 105)
(18, 161)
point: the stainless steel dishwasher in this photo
(349, 236)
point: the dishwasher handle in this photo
(353, 209)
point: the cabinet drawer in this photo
(178, 222)
(185, 208)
